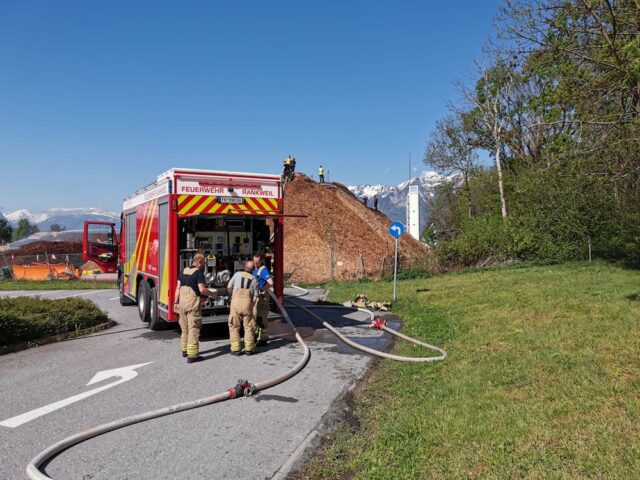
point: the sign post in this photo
(395, 230)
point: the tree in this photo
(56, 227)
(590, 52)
(491, 102)
(24, 229)
(6, 231)
(451, 152)
(557, 105)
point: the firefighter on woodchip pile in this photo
(191, 286)
(289, 168)
(261, 312)
(244, 292)
(321, 174)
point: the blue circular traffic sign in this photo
(396, 229)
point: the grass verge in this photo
(27, 320)
(542, 380)
(10, 285)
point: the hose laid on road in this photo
(242, 388)
(375, 324)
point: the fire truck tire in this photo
(155, 322)
(143, 300)
(124, 300)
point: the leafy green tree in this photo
(557, 106)
(6, 231)
(24, 229)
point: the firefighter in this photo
(288, 164)
(191, 286)
(244, 292)
(321, 174)
(375, 202)
(261, 312)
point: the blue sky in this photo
(97, 98)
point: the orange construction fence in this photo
(45, 271)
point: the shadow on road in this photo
(277, 398)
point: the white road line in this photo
(83, 294)
(114, 298)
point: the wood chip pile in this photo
(40, 247)
(340, 238)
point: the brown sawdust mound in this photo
(40, 247)
(337, 226)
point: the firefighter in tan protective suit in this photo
(244, 292)
(191, 286)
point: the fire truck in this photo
(226, 216)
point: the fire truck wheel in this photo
(143, 300)
(124, 300)
(155, 322)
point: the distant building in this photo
(413, 212)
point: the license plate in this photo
(233, 200)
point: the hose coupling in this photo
(242, 388)
(378, 323)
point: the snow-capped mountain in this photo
(392, 199)
(70, 218)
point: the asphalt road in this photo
(245, 438)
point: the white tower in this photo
(413, 212)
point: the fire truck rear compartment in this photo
(226, 243)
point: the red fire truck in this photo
(224, 215)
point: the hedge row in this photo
(25, 319)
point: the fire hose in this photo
(377, 323)
(242, 388)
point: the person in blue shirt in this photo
(261, 312)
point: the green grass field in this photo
(9, 285)
(542, 380)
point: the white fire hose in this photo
(242, 388)
(375, 323)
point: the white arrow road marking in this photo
(125, 374)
